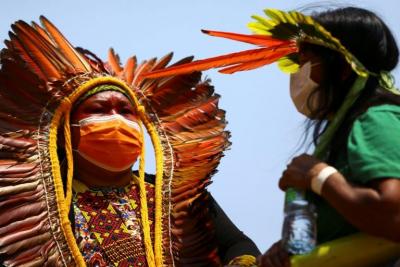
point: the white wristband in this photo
(318, 181)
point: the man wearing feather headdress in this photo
(71, 128)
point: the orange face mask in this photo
(110, 142)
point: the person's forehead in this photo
(104, 98)
(108, 95)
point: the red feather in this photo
(129, 69)
(272, 49)
(76, 59)
(261, 40)
(222, 61)
(113, 60)
(269, 58)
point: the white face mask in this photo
(301, 87)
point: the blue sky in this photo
(265, 126)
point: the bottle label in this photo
(293, 194)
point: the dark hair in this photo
(367, 37)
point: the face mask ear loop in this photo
(143, 199)
(68, 153)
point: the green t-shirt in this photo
(373, 152)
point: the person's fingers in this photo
(295, 160)
(303, 161)
(284, 258)
(289, 173)
(275, 260)
(273, 257)
(289, 179)
(284, 173)
(258, 260)
(265, 261)
(304, 156)
(287, 263)
(275, 247)
(283, 181)
(282, 184)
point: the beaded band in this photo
(318, 182)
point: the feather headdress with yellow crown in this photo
(279, 36)
(41, 77)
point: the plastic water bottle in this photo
(299, 233)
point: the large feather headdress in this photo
(41, 77)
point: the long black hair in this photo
(367, 37)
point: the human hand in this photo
(275, 256)
(300, 171)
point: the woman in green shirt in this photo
(358, 186)
(340, 62)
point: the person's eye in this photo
(95, 109)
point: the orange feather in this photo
(269, 58)
(113, 60)
(219, 61)
(42, 32)
(261, 40)
(142, 69)
(16, 47)
(74, 57)
(272, 49)
(32, 49)
(162, 62)
(129, 69)
(44, 45)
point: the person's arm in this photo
(373, 161)
(374, 209)
(379, 203)
(232, 242)
(372, 156)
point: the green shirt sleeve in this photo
(374, 145)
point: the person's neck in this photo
(94, 176)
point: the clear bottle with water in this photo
(299, 232)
